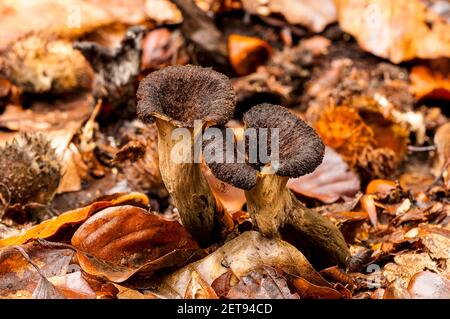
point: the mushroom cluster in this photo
(177, 96)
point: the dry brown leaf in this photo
(240, 255)
(232, 198)
(330, 181)
(307, 290)
(436, 240)
(442, 142)
(247, 53)
(120, 241)
(262, 283)
(223, 283)
(399, 274)
(62, 18)
(380, 186)
(315, 15)
(73, 286)
(25, 269)
(397, 30)
(197, 288)
(429, 285)
(427, 83)
(67, 221)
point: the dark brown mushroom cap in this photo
(182, 94)
(300, 148)
(240, 175)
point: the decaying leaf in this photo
(398, 30)
(315, 15)
(307, 290)
(65, 222)
(240, 255)
(330, 181)
(442, 142)
(73, 286)
(25, 269)
(247, 53)
(120, 241)
(427, 83)
(429, 285)
(399, 274)
(232, 198)
(197, 288)
(262, 283)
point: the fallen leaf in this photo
(429, 84)
(307, 290)
(232, 198)
(399, 274)
(429, 285)
(397, 30)
(380, 186)
(315, 15)
(329, 182)
(120, 241)
(436, 240)
(262, 283)
(368, 205)
(67, 221)
(224, 282)
(25, 269)
(442, 142)
(197, 288)
(248, 251)
(73, 286)
(247, 53)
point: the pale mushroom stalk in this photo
(175, 97)
(278, 213)
(188, 188)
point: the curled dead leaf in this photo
(120, 241)
(422, 33)
(429, 285)
(247, 53)
(307, 290)
(330, 181)
(427, 83)
(67, 221)
(262, 283)
(25, 270)
(315, 15)
(197, 288)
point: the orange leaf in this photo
(380, 186)
(198, 288)
(120, 241)
(51, 227)
(247, 53)
(428, 84)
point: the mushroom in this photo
(175, 97)
(274, 209)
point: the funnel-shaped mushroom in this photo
(176, 97)
(274, 209)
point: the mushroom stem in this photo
(188, 188)
(277, 213)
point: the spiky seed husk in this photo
(30, 170)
